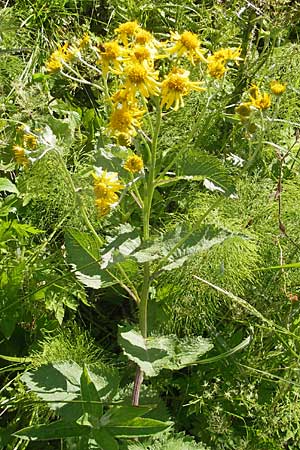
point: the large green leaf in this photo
(203, 166)
(153, 354)
(104, 439)
(8, 186)
(55, 430)
(120, 247)
(83, 254)
(178, 246)
(91, 404)
(139, 427)
(59, 385)
(119, 414)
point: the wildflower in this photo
(127, 30)
(30, 141)
(64, 53)
(277, 88)
(142, 55)
(262, 102)
(125, 120)
(106, 187)
(84, 41)
(175, 86)
(216, 69)
(225, 54)
(134, 164)
(254, 92)
(187, 44)
(244, 109)
(139, 78)
(110, 53)
(143, 37)
(20, 155)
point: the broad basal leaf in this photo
(55, 430)
(153, 354)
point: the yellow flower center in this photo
(176, 82)
(141, 53)
(121, 120)
(189, 40)
(111, 51)
(143, 37)
(136, 73)
(134, 164)
(128, 28)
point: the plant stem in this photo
(148, 197)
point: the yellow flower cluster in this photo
(20, 155)
(217, 61)
(106, 187)
(26, 143)
(258, 101)
(66, 54)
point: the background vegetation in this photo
(249, 400)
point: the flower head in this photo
(134, 164)
(110, 53)
(20, 155)
(244, 109)
(175, 86)
(216, 69)
(187, 44)
(225, 54)
(84, 41)
(125, 120)
(30, 141)
(263, 101)
(127, 30)
(106, 187)
(277, 88)
(254, 92)
(142, 80)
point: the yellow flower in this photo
(225, 54)
(124, 120)
(143, 37)
(263, 101)
(63, 53)
(277, 88)
(175, 86)
(254, 92)
(84, 41)
(141, 79)
(30, 141)
(216, 69)
(106, 187)
(53, 65)
(187, 44)
(110, 53)
(244, 109)
(127, 30)
(134, 164)
(20, 155)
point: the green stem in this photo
(148, 198)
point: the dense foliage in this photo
(149, 237)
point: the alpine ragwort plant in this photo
(142, 80)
